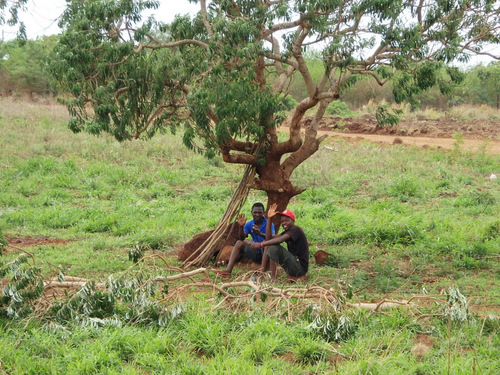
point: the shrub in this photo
(288, 102)
(476, 198)
(309, 351)
(339, 108)
(404, 187)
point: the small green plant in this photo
(491, 324)
(309, 350)
(404, 187)
(386, 278)
(339, 108)
(333, 261)
(476, 198)
(492, 231)
(459, 142)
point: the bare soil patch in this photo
(470, 135)
(418, 127)
(22, 241)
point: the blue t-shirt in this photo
(248, 228)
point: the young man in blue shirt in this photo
(256, 228)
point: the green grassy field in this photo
(400, 221)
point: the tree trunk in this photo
(277, 185)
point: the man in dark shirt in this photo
(295, 260)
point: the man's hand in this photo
(256, 230)
(256, 245)
(241, 219)
(272, 210)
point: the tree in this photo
(489, 78)
(221, 76)
(22, 66)
(13, 7)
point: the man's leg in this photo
(285, 259)
(235, 255)
(264, 264)
(272, 267)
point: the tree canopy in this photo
(221, 77)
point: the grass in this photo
(401, 221)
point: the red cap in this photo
(287, 213)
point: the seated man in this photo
(295, 260)
(257, 229)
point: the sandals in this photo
(222, 273)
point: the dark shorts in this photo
(289, 262)
(252, 254)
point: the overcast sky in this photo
(41, 16)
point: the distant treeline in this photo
(23, 73)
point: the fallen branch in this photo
(23, 251)
(182, 275)
(292, 298)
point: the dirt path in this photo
(476, 135)
(489, 146)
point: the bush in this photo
(288, 102)
(339, 108)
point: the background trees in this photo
(484, 85)
(23, 67)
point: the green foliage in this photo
(127, 300)
(339, 108)
(334, 261)
(458, 308)
(385, 117)
(309, 351)
(476, 198)
(489, 80)
(491, 324)
(136, 253)
(404, 187)
(205, 333)
(288, 102)
(333, 328)
(87, 303)
(25, 285)
(3, 243)
(23, 67)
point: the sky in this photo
(41, 16)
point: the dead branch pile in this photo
(244, 293)
(240, 294)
